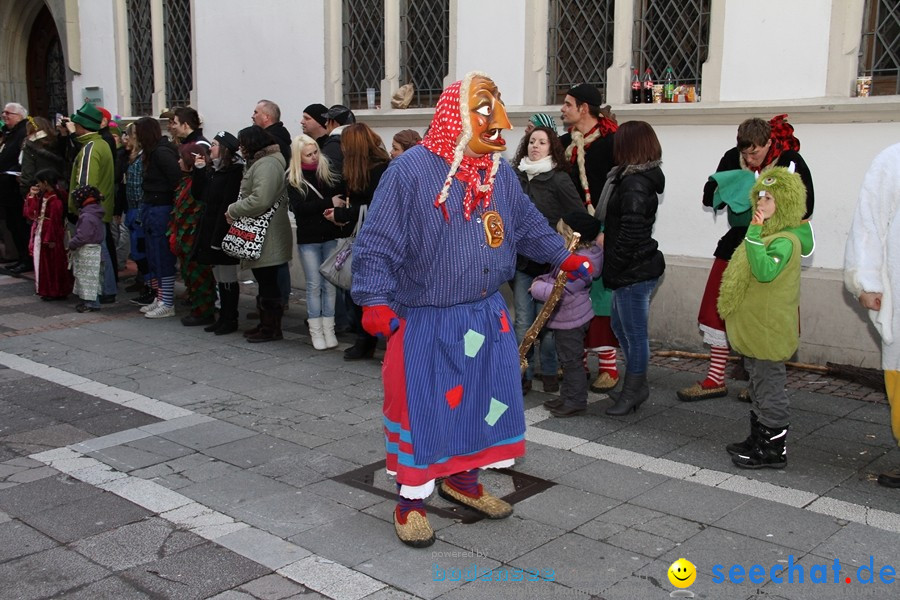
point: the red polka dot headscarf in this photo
(449, 134)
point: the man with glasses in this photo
(760, 144)
(11, 201)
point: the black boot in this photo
(271, 310)
(634, 392)
(363, 348)
(255, 329)
(229, 294)
(769, 452)
(747, 445)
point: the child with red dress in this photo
(45, 207)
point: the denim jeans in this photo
(630, 313)
(160, 259)
(320, 294)
(526, 310)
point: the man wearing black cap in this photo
(589, 147)
(336, 118)
(313, 122)
(589, 141)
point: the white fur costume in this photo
(872, 257)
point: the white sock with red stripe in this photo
(606, 361)
(715, 377)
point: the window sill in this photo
(874, 109)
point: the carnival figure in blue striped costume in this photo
(441, 237)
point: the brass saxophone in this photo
(547, 310)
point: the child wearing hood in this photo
(572, 315)
(759, 301)
(84, 247)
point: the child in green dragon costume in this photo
(759, 299)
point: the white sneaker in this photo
(151, 306)
(161, 312)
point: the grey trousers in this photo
(570, 348)
(769, 399)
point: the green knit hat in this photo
(88, 116)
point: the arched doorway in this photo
(45, 68)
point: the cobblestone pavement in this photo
(144, 459)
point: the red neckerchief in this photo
(443, 138)
(783, 139)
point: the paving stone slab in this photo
(48, 574)
(142, 453)
(198, 572)
(330, 539)
(646, 440)
(111, 587)
(549, 463)
(690, 501)
(86, 517)
(207, 435)
(185, 471)
(254, 451)
(137, 543)
(564, 507)
(501, 540)
(641, 542)
(611, 480)
(423, 574)
(714, 546)
(855, 543)
(581, 563)
(290, 513)
(31, 498)
(276, 587)
(330, 578)
(784, 525)
(233, 490)
(18, 539)
(119, 419)
(263, 547)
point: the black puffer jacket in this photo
(216, 191)
(161, 174)
(630, 254)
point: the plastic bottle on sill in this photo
(635, 86)
(669, 85)
(647, 85)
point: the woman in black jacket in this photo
(161, 177)
(632, 262)
(365, 161)
(311, 186)
(217, 186)
(543, 171)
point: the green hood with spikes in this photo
(790, 204)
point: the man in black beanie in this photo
(314, 122)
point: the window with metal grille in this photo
(424, 48)
(179, 60)
(363, 49)
(140, 56)
(879, 48)
(579, 45)
(671, 33)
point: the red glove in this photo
(577, 267)
(380, 320)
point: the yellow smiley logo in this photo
(682, 573)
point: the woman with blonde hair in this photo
(311, 185)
